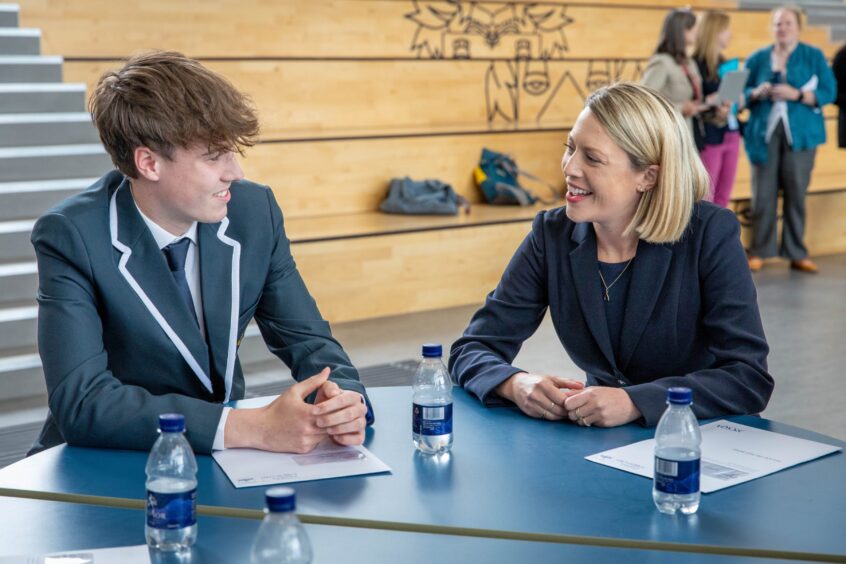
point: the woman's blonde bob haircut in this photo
(647, 127)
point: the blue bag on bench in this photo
(496, 176)
(422, 197)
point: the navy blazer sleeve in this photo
(481, 359)
(737, 381)
(89, 405)
(291, 323)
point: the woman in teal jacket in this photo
(788, 84)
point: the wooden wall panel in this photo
(318, 99)
(298, 99)
(338, 177)
(308, 178)
(370, 90)
(378, 276)
(825, 232)
(338, 28)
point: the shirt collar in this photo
(162, 236)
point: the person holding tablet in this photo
(722, 132)
(646, 285)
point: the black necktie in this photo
(176, 253)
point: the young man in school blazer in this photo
(147, 281)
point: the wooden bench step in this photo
(372, 224)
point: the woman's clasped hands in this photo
(556, 399)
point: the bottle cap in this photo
(280, 499)
(171, 422)
(681, 396)
(432, 350)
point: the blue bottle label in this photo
(431, 419)
(676, 476)
(171, 510)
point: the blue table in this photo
(38, 527)
(510, 477)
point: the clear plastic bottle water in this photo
(281, 539)
(677, 455)
(171, 488)
(431, 417)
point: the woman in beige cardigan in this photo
(671, 71)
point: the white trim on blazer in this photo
(236, 295)
(171, 334)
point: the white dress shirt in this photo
(192, 274)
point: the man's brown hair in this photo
(164, 100)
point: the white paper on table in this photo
(731, 454)
(248, 467)
(124, 554)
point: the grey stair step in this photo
(9, 15)
(16, 41)
(18, 282)
(54, 128)
(53, 162)
(14, 241)
(808, 6)
(756, 4)
(16, 441)
(30, 68)
(21, 376)
(18, 326)
(837, 33)
(827, 17)
(34, 97)
(24, 200)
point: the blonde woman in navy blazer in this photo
(647, 285)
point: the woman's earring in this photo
(639, 188)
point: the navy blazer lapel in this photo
(585, 270)
(144, 267)
(220, 258)
(649, 269)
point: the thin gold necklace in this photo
(607, 296)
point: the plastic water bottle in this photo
(171, 488)
(677, 455)
(281, 539)
(431, 418)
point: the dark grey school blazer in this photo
(691, 319)
(118, 344)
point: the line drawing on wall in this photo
(529, 42)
